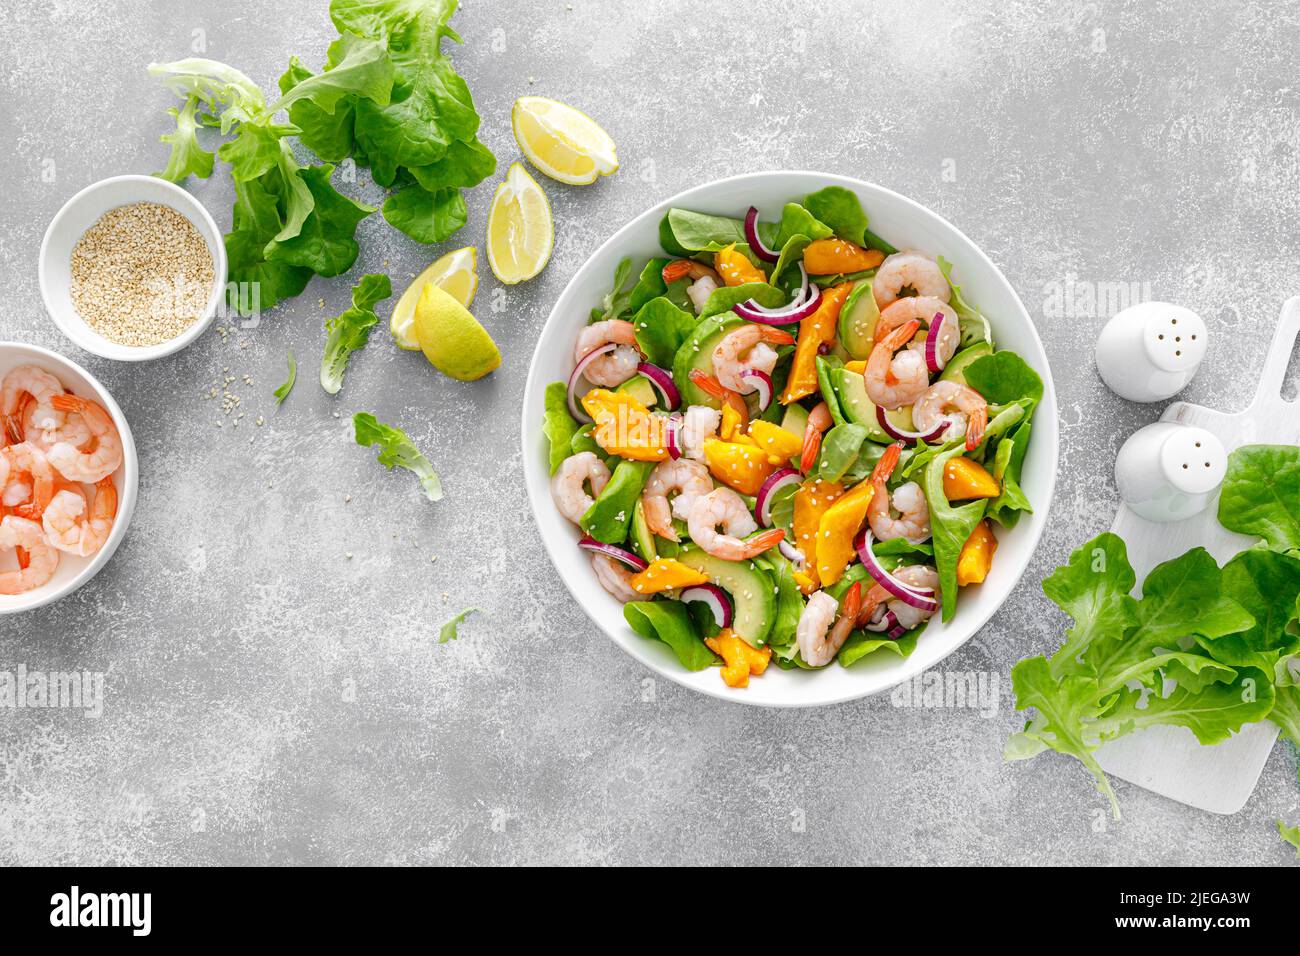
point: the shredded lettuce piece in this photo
(283, 391)
(351, 330)
(395, 449)
(451, 630)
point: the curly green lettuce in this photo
(350, 331)
(396, 450)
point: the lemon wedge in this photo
(452, 339)
(456, 273)
(520, 231)
(564, 143)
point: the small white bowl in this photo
(80, 213)
(73, 571)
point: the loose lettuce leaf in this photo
(725, 298)
(789, 600)
(798, 221)
(187, 157)
(558, 425)
(974, 326)
(283, 391)
(1008, 460)
(860, 644)
(661, 328)
(1291, 835)
(451, 630)
(1094, 588)
(395, 449)
(427, 216)
(949, 526)
(618, 299)
(650, 285)
(694, 232)
(669, 621)
(840, 209)
(840, 448)
(1261, 495)
(1266, 584)
(791, 252)
(351, 330)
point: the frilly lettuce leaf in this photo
(351, 330)
(395, 450)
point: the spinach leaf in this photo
(669, 621)
(661, 328)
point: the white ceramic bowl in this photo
(73, 571)
(80, 213)
(905, 224)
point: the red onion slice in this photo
(909, 438)
(613, 551)
(574, 408)
(755, 243)
(718, 600)
(792, 554)
(673, 436)
(779, 479)
(762, 383)
(796, 311)
(920, 598)
(932, 361)
(662, 380)
(896, 632)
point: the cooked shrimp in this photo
(569, 484)
(878, 599)
(23, 381)
(712, 387)
(699, 423)
(704, 281)
(818, 640)
(913, 513)
(965, 409)
(819, 419)
(44, 433)
(69, 526)
(29, 480)
(744, 348)
(105, 458)
(687, 480)
(894, 380)
(613, 368)
(27, 538)
(613, 577)
(923, 308)
(723, 508)
(909, 269)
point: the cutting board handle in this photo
(1278, 358)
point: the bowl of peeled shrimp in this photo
(68, 476)
(908, 226)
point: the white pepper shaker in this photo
(1150, 351)
(1170, 471)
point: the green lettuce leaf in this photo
(661, 329)
(798, 221)
(395, 450)
(950, 527)
(618, 299)
(426, 216)
(725, 298)
(451, 630)
(841, 209)
(558, 425)
(1290, 835)
(975, 326)
(350, 330)
(282, 392)
(187, 157)
(1004, 377)
(1261, 495)
(692, 232)
(670, 622)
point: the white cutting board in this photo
(1169, 760)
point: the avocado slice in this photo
(858, 320)
(642, 539)
(639, 387)
(750, 589)
(862, 410)
(795, 420)
(697, 353)
(955, 370)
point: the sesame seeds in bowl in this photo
(132, 268)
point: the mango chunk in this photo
(815, 331)
(826, 257)
(735, 267)
(625, 427)
(740, 661)
(740, 465)
(965, 480)
(775, 442)
(976, 555)
(665, 574)
(811, 501)
(836, 531)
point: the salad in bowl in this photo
(784, 443)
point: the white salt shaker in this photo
(1149, 351)
(1169, 471)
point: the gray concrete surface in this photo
(269, 700)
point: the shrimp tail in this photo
(975, 425)
(887, 463)
(776, 336)
(819, 419)
(852, 603)
(712, 387)
(762, 542)
(896, 339)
